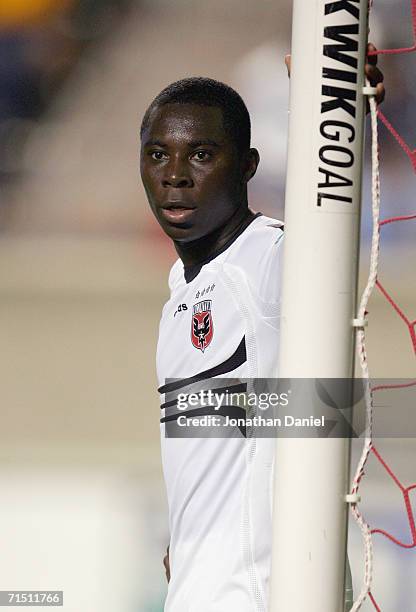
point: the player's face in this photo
(191, 170)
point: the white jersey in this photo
(220, 322)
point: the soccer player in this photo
(222, 320)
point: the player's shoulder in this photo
(266, 229)
(259, 257)
(174, 281)
(261, 238)
(175, 275)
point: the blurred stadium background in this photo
(83, 277)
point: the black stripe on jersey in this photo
(232, 363)
(238, 388)
(277, 226)
(233, 412)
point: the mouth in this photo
(177, 212)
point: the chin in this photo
(181, 234)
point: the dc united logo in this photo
(202, 329)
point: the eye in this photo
(158, 155)
(201, 155)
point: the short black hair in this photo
(204, 91)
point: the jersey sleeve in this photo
(261, 258)
(270, 277)
(175, 275)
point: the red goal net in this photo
(392, 128)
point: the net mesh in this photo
(388, 293)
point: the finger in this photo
(288, 59)
(371, 59)
(167, 567)
(373, 74)
(379, 97)
(381, 93)
(166, 559)
(288, 64)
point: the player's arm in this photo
(166, 564)
(373, 74)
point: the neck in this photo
(198, 251)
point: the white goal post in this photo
(322, 222)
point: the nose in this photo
(177, 175)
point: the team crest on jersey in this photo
(202, 328)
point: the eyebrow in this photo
(192, 145)
(203, 141)
(154, 143)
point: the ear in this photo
(252, 161)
